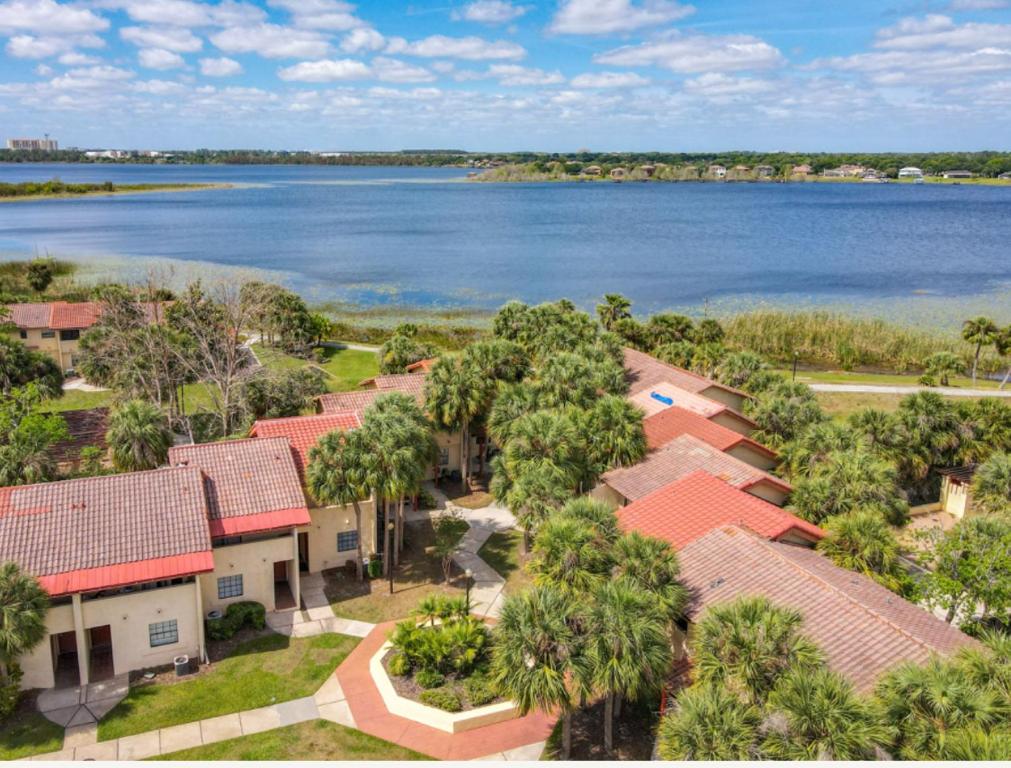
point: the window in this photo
(23, 334)
(230, 586)
(443, 457)
(163, 633)
(347, 540)
(49, 334)
(71, 335)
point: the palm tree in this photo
(667, 327)
(23, 606)
(511, 402)
(973, 744)
(616, 437)
(923, 704)
(678, 353)
(802, 456)
(455, 394)
(981, 331)
(822, 719)
(544, 438)
(537, 656)
(709, 723)
(784, 412)
(615, 307)
(862, 541)
(566, 378)
(629, 650)
(568, 555)
(1002, 346)
(337, 476)
(943, 365)
(880, 431)
(652, 565)
(989, 668)
(707, 358)
(749, 644)
(986, 429)
(736, 368)
(139, 436)
(991, 485)
(599, 515)
(933, 430)
(849, 480)
(532, 494)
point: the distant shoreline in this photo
(123, 189)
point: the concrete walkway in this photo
(316, 616)
(884, 389)
(82, 705)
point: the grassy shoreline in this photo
(122, 189)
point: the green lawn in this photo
(842, 404)
(882, 379)
(78, 400)
(259, 672)
(316, 740)
(27, 733)
(345, 368)
(503, 551)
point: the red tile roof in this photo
(66, 316)
(303, 432)
(103, 532)
(422, 365)
(653, 400)
(409, 383)
(690, 507)
(863, 628)
(30, 315)
(87, 428)
(644, 371)
(252, 485)
(681, 457)
(673, 422)
(347, 401)
(63, 315)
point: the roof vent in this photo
(716, 583)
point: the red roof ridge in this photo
(836, 590)
(763, 474)
(686, 372)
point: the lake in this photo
(426, 237)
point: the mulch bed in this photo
(634, 732)
(216, 651)
(405, 686)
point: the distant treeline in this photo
(52, 187)
(987, 164)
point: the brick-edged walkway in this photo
(517, 738)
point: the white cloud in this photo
(272, 41)
(608, 80)
(221, 67)
(932, 68)
(937, 31)
(48, 17)
(180, 40)
(362, 39)
(158, 87)
(471, 48)
(85, 78)
(717, 86)
(690, 54)
(75, 59)
(320, 14)
(32, 47)
(490, 12)
(514, 74)
(325, 70)
(186, 13)
(396, 71)
(159, 58)
(604, 17)
(977, 5)
(43, 70)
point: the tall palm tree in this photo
(511, 402)
(981, 331)
(986, 429)
(566, 378)
(615, 307)
(616, 437)
(544, 438)
(629, 650)
(943, 365)
(138, 435)
(973, 744)
(652, 565)
(991, 485)
(802, 456)
(538, 657)
(456, 394)
(23, 606)
(708, 722)
(880, 431)
(736, 368)
(599, 515)
(933, 430)
(849, 480)
(862, 541)
(923, 704)
(1002, 346)
(568, 555)
(749, 644)
(337, 476)
(532, 494)
(823, 719)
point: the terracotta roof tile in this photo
(102, 532)
(66, 316)
(409, 383)
(664, 395)
(863, 628)
(30, 315)
(681, 457)
(63, 315)
(697, 503)
(422, 365)
(303, 432)
(671, 423)
(86, 428)
(644, 371)
(251, 485)
(358, 400)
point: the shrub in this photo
(442, 698)
(10, 691)
(426, 500)
(480, 691)
(375, 566)
(429, 678)
(237, 616)
(399, 665)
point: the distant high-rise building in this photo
(47, 144)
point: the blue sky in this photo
(501, 74)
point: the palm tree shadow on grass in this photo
(634, 732)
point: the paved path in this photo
(82, 705)
(888, 389)
(350, 345)
(81, 385)
(316, 617)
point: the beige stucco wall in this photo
(60, 351)
(604, 492)
(38, 666)
(255, 562)
(326, 523)
(769, 492)
(749, 455)
(956, 498)
(735, 401)
(733, 422)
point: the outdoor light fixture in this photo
(469, 574)
(389, 566)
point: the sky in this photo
(499, 75)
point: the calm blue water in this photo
(423, 236)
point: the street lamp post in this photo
(469, 575)
(389, 566)
(796, 356)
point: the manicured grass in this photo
(345, 368)
(882, 379)
(78, 400)
(503, 551)
(842, 404)
(418, 575)
(315, 740)
(265, 670)
(26, 733)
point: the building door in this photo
(303, 552)
(281, 571)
